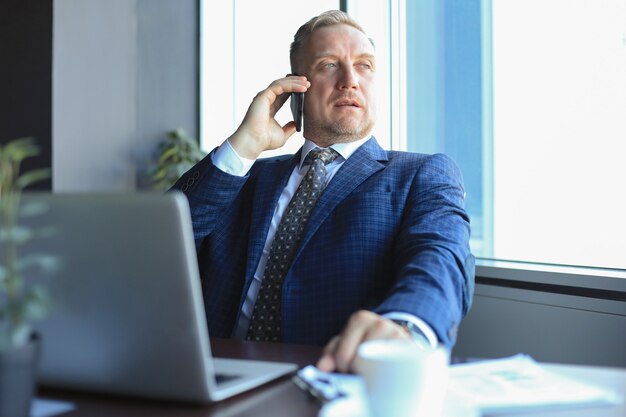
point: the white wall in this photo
(124, 72)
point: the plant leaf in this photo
(169, 153)
(19, 149)
(32, 177)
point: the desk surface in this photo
(278, 398)
(283, 398)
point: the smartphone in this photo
(297, 108)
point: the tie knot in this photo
(325, 155)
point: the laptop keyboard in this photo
(221, 378)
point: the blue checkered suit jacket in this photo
(388, 234)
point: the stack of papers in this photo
(518, 383)
(501, 386)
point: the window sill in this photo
(600, 283)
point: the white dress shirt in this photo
(226, 159)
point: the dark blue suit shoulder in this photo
(437, 160)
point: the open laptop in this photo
(128, 314)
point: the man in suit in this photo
(381, 250)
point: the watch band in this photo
(416, 334)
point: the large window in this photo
(527, 96)
(559, 127)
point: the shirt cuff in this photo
(226, 159)
(428, 332)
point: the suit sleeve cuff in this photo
(226, 159)
(426, 330)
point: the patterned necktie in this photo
(265, 323)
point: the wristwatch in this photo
(416, 334)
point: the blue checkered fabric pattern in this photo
(389, 233)
(265, 323)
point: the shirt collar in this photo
(343, 149)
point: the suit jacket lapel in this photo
(365, 161)
(266, 195)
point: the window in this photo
(244, 49)
(559, 124)
(448, 100)
(527, 96)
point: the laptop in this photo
(128, 315)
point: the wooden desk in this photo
(283, 398)
(278, 398)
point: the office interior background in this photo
(528, 96)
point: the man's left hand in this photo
(339, 353)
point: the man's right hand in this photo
(259, 131)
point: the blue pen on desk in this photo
(316, 383)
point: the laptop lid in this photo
(128, 314)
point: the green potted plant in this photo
(177, 154)
(20, 303)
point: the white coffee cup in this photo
(402, 378)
